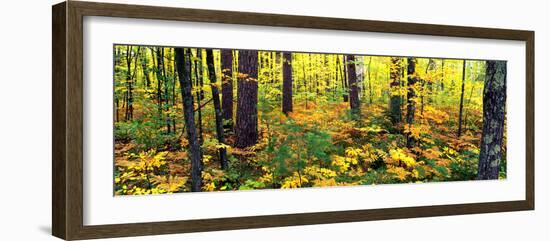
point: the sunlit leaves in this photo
(318, 144)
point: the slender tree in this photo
(441, 84)
(199, 91)
(172, 71)
(304, 83)
(247, 99)
(430, 91)
(129, 85)
(395, 99)
(217, 106)
(494, 104)
(353, 88)
(369, 84)
(423, 90)
(411, 95)
(227, 88)
(160, 78)
(166, 91)
(183, 63)
(145, 67)
(461, 99)
(345, 80)
(287, 82)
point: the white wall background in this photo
(25, 119)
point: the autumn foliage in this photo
(321, 142)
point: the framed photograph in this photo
(171, 120)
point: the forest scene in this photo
(200, 119)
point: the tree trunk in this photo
(353, 88)
(345, 80)
(183, 63)
(116, 109)
(305, 86)
(217, 106)
(166, 92)
(441, 84)
(494, 104)
(337, 74)
(199, 91)
(370, 81)
(423, 89)
(411, 95)
(395, 99)
(247, 99)
(287, 82)
(227, 88)
(145, 68)
(461, 99)
(129, 85)
(173, 73)
(158, 73)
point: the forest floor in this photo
(321, 145)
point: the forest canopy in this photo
(195, 119)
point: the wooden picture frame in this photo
(67, 123)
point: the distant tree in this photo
(461, 99)
(494, 112)
(287, 82)
(246, 127)
(183, 63)
(369, 83)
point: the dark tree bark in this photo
(337, 75)
(217, 106)
(227, 88)
(345, 80)
(287, 82)
(116, 109)
(158, 72)
(183, 63)
(461, 99)
(247, 99)
(395, 97)
(411, 95)
(129, 85)
(199, 92)
(494, 104)
(353, 88)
